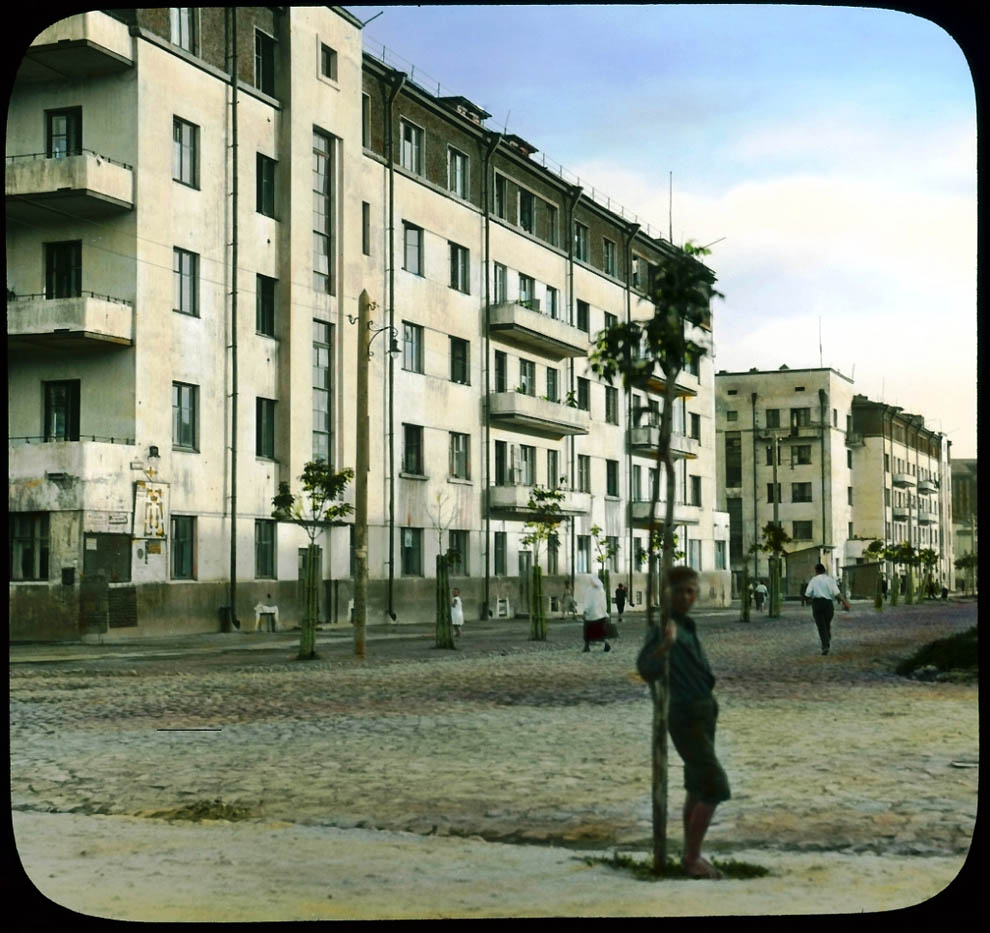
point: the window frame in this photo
(70, 409)
(412, 449)
(411, 551)
(182, 547)
(611, 405)
(584, 473)
(460, 268)
(63, 269)
(72, 135)
(459, 456)
(29, 538)
(458, 166)
(527, 219)
(581, 234)
(265, 549)
(412, 150)
(185, 170)
(798, 491)
(265, 413)
(416, 252)
(582, 315)
(460, 361)
(583, 393)
(413, 336)
(331, 73)
(186, 272)
(264, 62)
(609, 254)
(185, 431)
(527, 377)
(612, 478)
(324, 230)
(265, 305)
(265, 168)
(325, 430)
(459, 566)
(191, 24)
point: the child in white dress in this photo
(456, 613)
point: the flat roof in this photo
(782, 372)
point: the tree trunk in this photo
(606, 579)
(878, 594)
(311, 575)
(537, 611)
(909, 600)
(744, 595)
(444, 629)
(774, 608)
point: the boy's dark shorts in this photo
(692, 729)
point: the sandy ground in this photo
(435, 785)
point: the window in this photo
(770, 448)
(366, 120)
(527, 377)
(553, 393)
(412, 552)
(886, 463)
(527, 465)
(612, 543)
(849, 495)
(264, 428)
(183, 27)
(583, 554)
(459, 268)
(265, 186)
(849, 459)
(328, 62)
(413, 261)
(366, 228)
(720, 555)
(695, 492)
(265, 305)
(610, 320)
(584, 473)
(551, 225)
(583, 394)
(692, 362)
(611, 477)
(653, 407)
(264, 549)
(501, 558)
(638, 279)
(457, 172)
(553, 305)
(608, 250)
(800, 454)
(29, 545)
(185, 404)
(580, 241)
(553, 469)
(733, 458)
(500, 196)
(183, 535)
(63, 269)
(611, 405)
(501, 371)
(773, 417)
(457, 553)
(526, 211)
(770, 492)
(886, 497)
(694, 554)
(411, 147)
(636, 493)
(801, 531)
(801, 492)
(412, 347)
(185, 152)
(323, 193)
(412, 449)
(322, 390)
(553, 559)
(63, 129)
(501, 280)
(185, 276)
(501, 467)
(526, 288)
(264, 63)
(695, 426)
(732, 416)
(460, 361)
(460, 456)
(61, 410)
(800, 417)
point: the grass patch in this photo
(642, 869)
(205, 810)
(957, 652)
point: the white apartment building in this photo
(185, 253)
(836, 470)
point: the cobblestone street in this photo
(506, 740)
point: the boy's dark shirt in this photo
(691, 676)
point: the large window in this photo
(183, 544)
(460, 361)
(264, 549)
(63, 129)
(457, 553)
(265, 185)
(412, 449)
(185, 404)
(322, 390)
(413, 255)
(323, 228)
(411, 147)
(63, 269)
(412, 347)
(580, 241)
(457, 172)
(412, 552)
(61, 400)
(29, 545)
(264, 63)
(264, 318)
(182, 20)
(265, 428)
(460, 456)
(800, 492)
(185, 280)
(185, 152)
(459, 268)
(801, 531)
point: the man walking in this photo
(691, 721)
(620, 599)
(823, 591)
(761, 592)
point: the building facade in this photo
(965, 513)
(837, 471)
(196, 198)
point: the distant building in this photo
(964, 518)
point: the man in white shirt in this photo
(823, 591)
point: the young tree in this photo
(773, 540)
(544, 506)
(441, 519)
(892, 554)
(968, 564)
(928, 558)
(681, 291)
(315, 511)
(875, 551)
(605, 550)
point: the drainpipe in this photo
(486, 214)
(756, 505)
(628, 236)
(398, 80)
(822, 427)
(573, 194)
(232, 597)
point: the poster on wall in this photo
(150, 510)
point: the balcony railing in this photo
(927, 487)
(903, 479)
(854, 439)
(514, 499)
(521, 324)
(646, 439)
(927, 517)
(78, 46)
(87, 320)
(531, 415)
(639, 513)
(901, 513)
(42, 188)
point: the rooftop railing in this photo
(41, 439)
(11, 159)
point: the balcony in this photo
(646, 439)
(530, 415)
(927, 487)
(639, 513)
(854, 439)
(903, 480)
(901, 513)
(79, 46)
(927, 517)
(86, 322)
(656, 383)
(513, 501)
(40, 189)
(525, 327)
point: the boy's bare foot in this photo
(701, 868)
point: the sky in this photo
(828, 154)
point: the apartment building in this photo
(835, 469)
(965, 512)
(195, 200)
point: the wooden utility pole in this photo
(361, 477)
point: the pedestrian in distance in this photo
(456, 613)
(761, 592)
(620, 599)
(595, 615)
(693, 711)
(823, 591)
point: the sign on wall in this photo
(150, 509)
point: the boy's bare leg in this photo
(697, 818)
